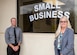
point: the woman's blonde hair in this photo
(59, 27)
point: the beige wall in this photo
(7, 10)
(76, 15)
(33, 43)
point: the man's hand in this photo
(16, 48)
(13, 48)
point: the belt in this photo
(15, 44)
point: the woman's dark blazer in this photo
(67, 43)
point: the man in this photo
(13, 38)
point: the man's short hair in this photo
(13, 18)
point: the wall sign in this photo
(47, 14)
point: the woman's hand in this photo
(61, 54)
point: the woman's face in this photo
(63, 22)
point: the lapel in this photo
(65, 33)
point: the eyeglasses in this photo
(63, 21)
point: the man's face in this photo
(13, 22)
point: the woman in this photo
(64, 41)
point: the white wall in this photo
(33, 43)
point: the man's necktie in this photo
(15, 36)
